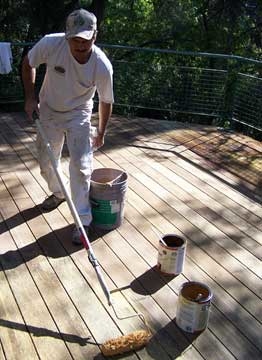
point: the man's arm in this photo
(105, 111)
(28, 77)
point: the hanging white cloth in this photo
(6, 58)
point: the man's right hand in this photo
(31, 106)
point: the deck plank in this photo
(174, 186)
(215, 148)
(53, 275)
(175, 213)
(14, 336)
(184, 191)
(162, 210)
(197, 162)
(220, 300)
(187, 185)
(30, 302)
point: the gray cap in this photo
(81, 23)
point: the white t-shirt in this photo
(67, 84)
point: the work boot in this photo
(51, 203)
(76, 235)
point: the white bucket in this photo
(171, 254)
(107, 194)
(193, 306)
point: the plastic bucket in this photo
(193, 306)
(171, 254)
(107, 195)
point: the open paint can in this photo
(171, 254)
(193, 306)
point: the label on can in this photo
(192, 315)
(171, 261)
(105, 211)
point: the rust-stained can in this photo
(193, 306)
(171, 254)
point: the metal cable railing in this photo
(166, 83)
(247, 106)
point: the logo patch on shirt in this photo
(59, 69)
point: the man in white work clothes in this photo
(75, 69)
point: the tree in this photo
(31, 19)
(225, 26)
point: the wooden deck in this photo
(196, 181)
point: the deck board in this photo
(181, 179)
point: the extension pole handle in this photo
(103, 285)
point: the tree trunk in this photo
(98, 8)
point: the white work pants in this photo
(76, 127)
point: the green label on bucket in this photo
(105, 211)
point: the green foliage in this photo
(220, 26)
(13, 19)
(28, 20)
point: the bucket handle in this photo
(111, 182)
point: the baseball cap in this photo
(80, 23)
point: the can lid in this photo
(196, 292)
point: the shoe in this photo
(76, 235)
(51, 203)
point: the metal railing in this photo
(168, 84)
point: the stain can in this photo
(194, 301)
(171, 254)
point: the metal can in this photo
(193, 306)
(171, 254)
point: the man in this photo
(75, 69)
